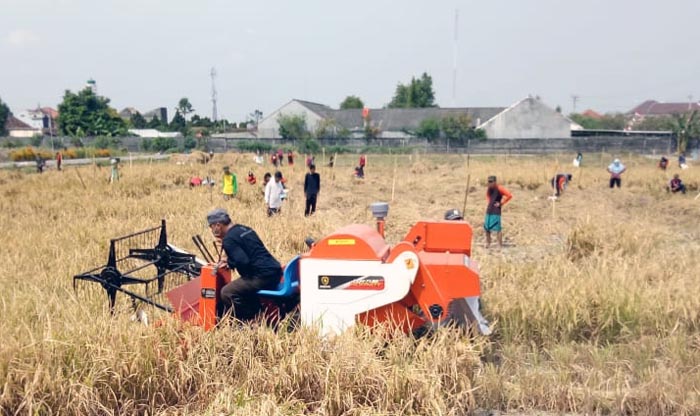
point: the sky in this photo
(612, 54)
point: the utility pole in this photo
(690, 102)
(214, 115)
(574, 99)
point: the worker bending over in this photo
(676, 185)
(560, 181)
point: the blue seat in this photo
(289, 283)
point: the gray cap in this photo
(454, 215)
(218, 215)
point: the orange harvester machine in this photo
(354, 275)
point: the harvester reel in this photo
(138, 260)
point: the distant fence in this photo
(611, 144)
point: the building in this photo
(527, 118)
(42, 119)
(655, 108)
(153, 133)
(17, 128)
(128, 112)
(160, 112)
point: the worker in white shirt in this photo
(273, 195)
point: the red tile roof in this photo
(50, 112)
(591, 114)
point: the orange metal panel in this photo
(439, 236)
(211, 284)
(397, 314)
(356, 242)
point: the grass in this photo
(594, 302)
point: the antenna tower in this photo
(214, 114)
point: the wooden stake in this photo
(466, 195)
(81, 178)
(393, 183)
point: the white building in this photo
(528, 118)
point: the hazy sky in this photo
(149, 53)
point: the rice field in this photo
(594, 300)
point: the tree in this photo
(4, 115)
(138, 121)
(606, 122)
(460, 129)
(85, 113)
(155, 123)
(429, 129)
(686, 126)
(184, 107)
(256, 116)
(178, 123)
(655, 123)
(326, 129)
(292, 127)
(418, 94)
(352, 102)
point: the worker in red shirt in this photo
(59, 159)
(497, 196)
(251, 178)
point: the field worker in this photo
(290, 158)
(266, 180)
(59, 159)
(40, 164)
(251, 178)
(229, 184)
(280, 156)
(363, 162)
(663, 163)
(114, 176)
(258, 159)
(273, 159)
(616, 170)
(560, 181)
(578, 160)
(312, 186)
(273, 195)
(254, 263)
(682, 162)
(195, 181)
(497, 196)
(676, 185)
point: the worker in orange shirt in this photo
(497, 196)
(560, 181)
